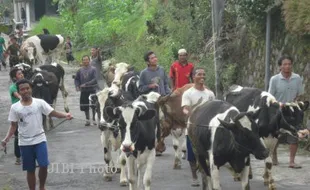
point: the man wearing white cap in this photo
(181, 70)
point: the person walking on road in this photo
(287, 87)
(181, 71)
(189, 98)
(96, 61)
(2, 49)
(86, 82)
(27, 114)
(15, 74)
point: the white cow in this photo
(39, 48)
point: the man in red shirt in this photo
(181, 71)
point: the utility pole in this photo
(268, 49)
(217, 13)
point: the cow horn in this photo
(116, 110)
(139, 109)
(90, 97)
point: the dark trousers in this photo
(16, 147)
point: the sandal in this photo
(295, 166)
(18, 161)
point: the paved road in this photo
(78, 149)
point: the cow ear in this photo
(147, 115)
(229, 126)
(110, 112)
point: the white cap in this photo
(182, 51)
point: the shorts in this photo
(84, 101)
(190, 156)
(32, 153)
(287, 139)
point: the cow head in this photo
(246, 134)
(120, 70)
(129, 123)
(102, 97)
(40, 88)
(270, 118)
(293, 113)
(30, 52)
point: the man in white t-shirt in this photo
(27, 114)
(190, 98)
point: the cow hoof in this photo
(275, 163)
(158, 153)
(272, 187)
(118, 170)
(250, 176)
(266, 183)
(237, 179)
(123, 183)
(177, 166)
(183, 155)
(107, 178)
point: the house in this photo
(35, 9)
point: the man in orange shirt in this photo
(181, 71)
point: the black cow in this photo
(221, 134)
(40, 47)
(272, 117)
(137, 122)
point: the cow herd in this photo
(133, 126)
(247, 123)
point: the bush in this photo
(54, 24)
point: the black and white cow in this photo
(125, 79)
(272, 118)
(45, 86)
(110, 135)
(40, 47)
(55, 68)
(220, 134)
(137, 123)
(59, 71)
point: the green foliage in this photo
(297, 16)
(55, 25)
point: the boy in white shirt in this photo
(190, 98)
(27, 114)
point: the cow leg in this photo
(122, 162)
(275, 153)
(64, 94)
(165, 131)
(271, 144)
(176, 133)
(107, 153)
(268, 180)
(245, 175)
(131, 173)
(205, 173)
(183, 139)
(215, 174)
(148, 171)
